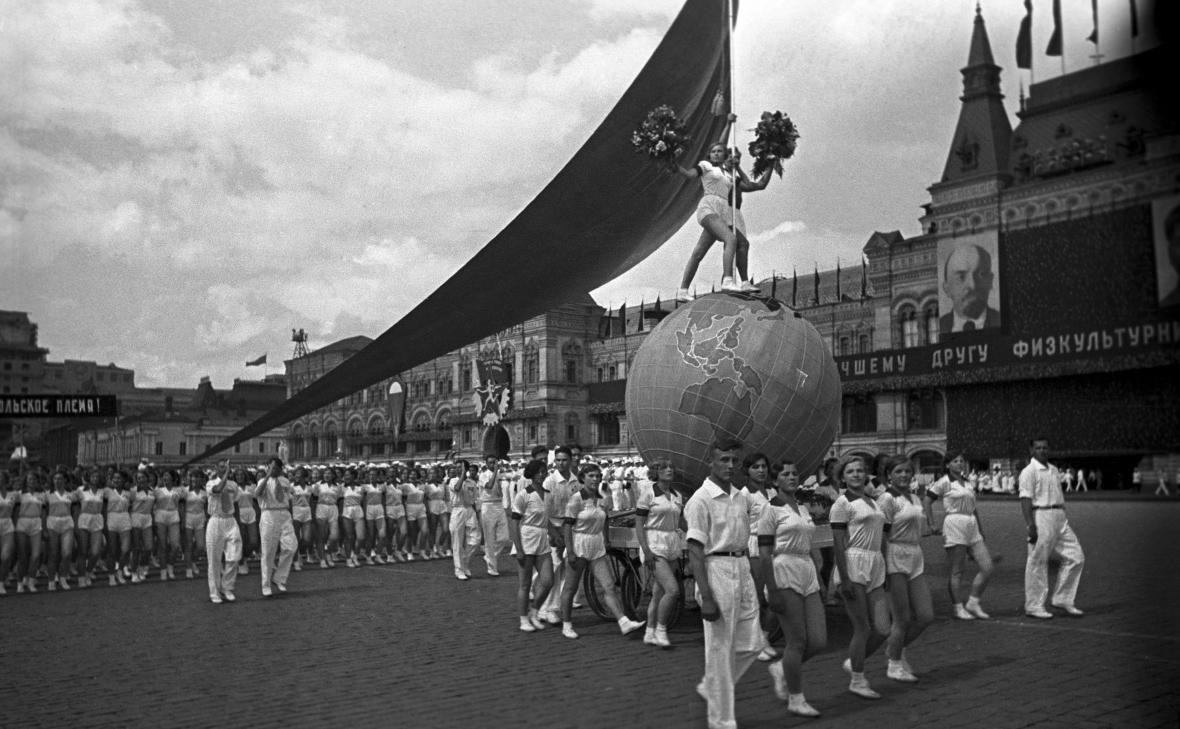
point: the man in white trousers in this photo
(275, 527)
(560, 485)
(1049, 533)
(222, 538)
(493, 517)
(718, 518)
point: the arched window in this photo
(444, 420)
(866, 343)
(858, 414)
(331, 442)
(421, 422)
(532, 364)
(571, 427)
(844, 347)
(613, 371)
(608, 429)
(930, 320)
(908, 323)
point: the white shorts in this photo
(141, 521)
(719, 206)
(90, 522)
(905, 559)
(7, 528)
(327, 512)
(196, 521)
(436, 506)
(415, 512)
(248, 516)
(796, 572)
(118, 521)
(664, 544)
(354, 513)
(589, 546)
(865, 567)
(534, 540)
(301, 514)
(960, 530)
(397, 511)
(59, 524)
(374, 513)
(30, 525)
(167, 517)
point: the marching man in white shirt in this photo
(275, 527)
(718, 519)
(1043, 504)
(222, 537)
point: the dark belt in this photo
(1054, 506)
(739, 553)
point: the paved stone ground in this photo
(408, 645)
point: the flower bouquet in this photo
(774, 141)
(661, 135)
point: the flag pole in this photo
(732, 141)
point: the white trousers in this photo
(553, 602)
(277, 531)
(1054, 536)
(464, 537)
(733, 641)
(494, 521)
(222, 540)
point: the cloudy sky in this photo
(181, 182)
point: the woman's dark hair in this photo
(535, 467)
(588, 468)
(893, 462)
(753, 458)
(843, 464)
(653, 468)
(950, 456)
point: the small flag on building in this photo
(1054, 47)
(255, 362)
(1024, 39)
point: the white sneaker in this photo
(649, 636)
(627, 625)
(188, 574)
(567, 630)
(65, 585)
(961, 612)
(778, 680)
(297, 566)
(323, 564)
(683, 295)
(280, 587)
(662, 638)
(171, 572)
(1070, 610)
(847, 666)
(229, 596)
(460, 575)
(266, 591)
(536, 622)
(976, 609)
(492, 572)
(798, 706)
(215, 599)
(767, 654)
(1039, 613)
(243, 569)
(526, 625)
(549, 616)
(749, 287)
(52, 585)
(897, 672)
(728, 284)
(859, 685)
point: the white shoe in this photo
(163, 575)
(266, 591)
(136, 578)
(229, 596)
(280, 588)
(728, 284)
(112, 582)
(976, 609)
(778, 680)
(683, 295)
(52, 585)
(859, 685)
(798, 706)
(568, 631)
(460, 575)
(536, 622)
(243, 569)
(649, 636)
(526, 625)
(749, 287)
(65, 585)
(1070, 610)
(188, 574)
(171, 572)
(847, 666)
(898, 672)
(298, 566)
(492, 572)
(410, 557)
(215, 599)
(20, 587)
(1039, 613)
(767, 654)
(961, 612)
(661, 639)
(627, 625)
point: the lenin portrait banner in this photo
(1165, 225)
(969, 283)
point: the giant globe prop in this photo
(734, 365)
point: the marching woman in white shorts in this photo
(373, 493)
(90, 526)
(29, 522)
(395, 518)
(858, 526)
(301, 494)
(415, 500)
(353, 517)
(961, 534)
(247, 518)
(658, 523)
(436, 513)
(585, 532)
(143, 498)
(528, 528)
(790, 571)
(8, 502)
(59, 524)
(118, 497)
(195, 500)
(327, 517)
(909, 595)
(756, 467)
(167, 518)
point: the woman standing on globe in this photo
(657, 521)
(789, 565)
(858, 525)
(715, 214)
(961, 533)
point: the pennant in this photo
(623, 318)
(864, 278)
(639, 327)
(255, 362)
(1024, 38)
(1054, 47)
(794, 285)
(773, 283)
(658, 303)
(1093, 37)
(839, 296)
(397, 408)
(817, 283)
(493, 392)
(1134, 20)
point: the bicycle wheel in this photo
(619, 566)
